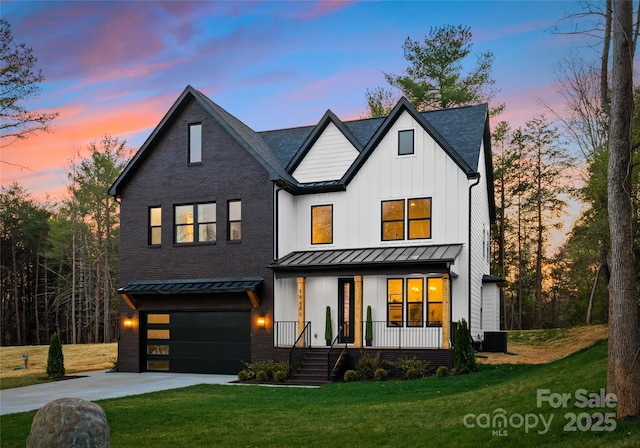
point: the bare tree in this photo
(624, 318)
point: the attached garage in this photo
(189, 326)
(197, 342)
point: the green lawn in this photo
(425, 412)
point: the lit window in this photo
(155, 225)
(414, 301)
(393, 220)
(322, 224)
(395, 287)
(235, 221)
(419, 218)
(195, 143)
(195, 223)
(405, 142)
(434, 301)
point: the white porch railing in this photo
(384, 336)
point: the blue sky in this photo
(116, 67)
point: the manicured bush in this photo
(243, 375)
(411, 374)
(401, 366)
(270, 367)
(367, 365)
(368, 333)
(350, 375)
(328, 332)
(55, 360)
(442, 371)
(464, 360)
(380, 375)
(262, 376)
(280, 376)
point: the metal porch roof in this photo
(368, 257)
(192, 286)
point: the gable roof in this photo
(244, 135)
(460, 132)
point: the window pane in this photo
(394, 301)
(206, 213)
(415, 314)
(392, 231)
(235, 232)
(393, 210)
(158, 318)
(158, 365)
(156, 235)
(405, 142)
(414, 290)
(322, 224)
(184, 234)
(235, 212)
(184, 214)
(157, 334)
(435, 313)
(207, 232)
(420, 229)
(157, 349)
(195, 143)
(155, 216)
(435, 290)
(419, 208)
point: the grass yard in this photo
(424, 412)
(77, 358)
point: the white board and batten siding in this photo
(328, 159)
(429, 172)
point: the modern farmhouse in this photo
(236, 245)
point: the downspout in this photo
(475, 176)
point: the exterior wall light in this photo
(128, 322)
(261, 321)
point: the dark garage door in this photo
(198, 342)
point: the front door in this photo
(346, 313)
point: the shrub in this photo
(464, 360)
(367, 365)
(442, 371)
(243, 375)
(411, 374)
(270, 367)
(328, 332)
(55, 360)
(403, 365)
(350, 375)
(380, 374)
(262, 376)
(280, 376)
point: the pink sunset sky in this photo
(115, 68)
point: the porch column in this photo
(446, 314)
(357, 341)
(301, 307)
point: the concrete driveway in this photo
(99, 385)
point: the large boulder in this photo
(68, 423)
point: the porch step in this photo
(312, 369)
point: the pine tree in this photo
(55, 361)
(464, 360)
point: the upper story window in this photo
(235, 220)
(405, 142)
(195, 143)
(393, 220)
(322, 224)
(155, 226)
(195, 223)
(417, 220)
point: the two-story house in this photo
(235, 242)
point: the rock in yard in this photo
(69, 423)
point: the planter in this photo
(368, 342)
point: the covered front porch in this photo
(383, 298)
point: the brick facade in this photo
(164, 178)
